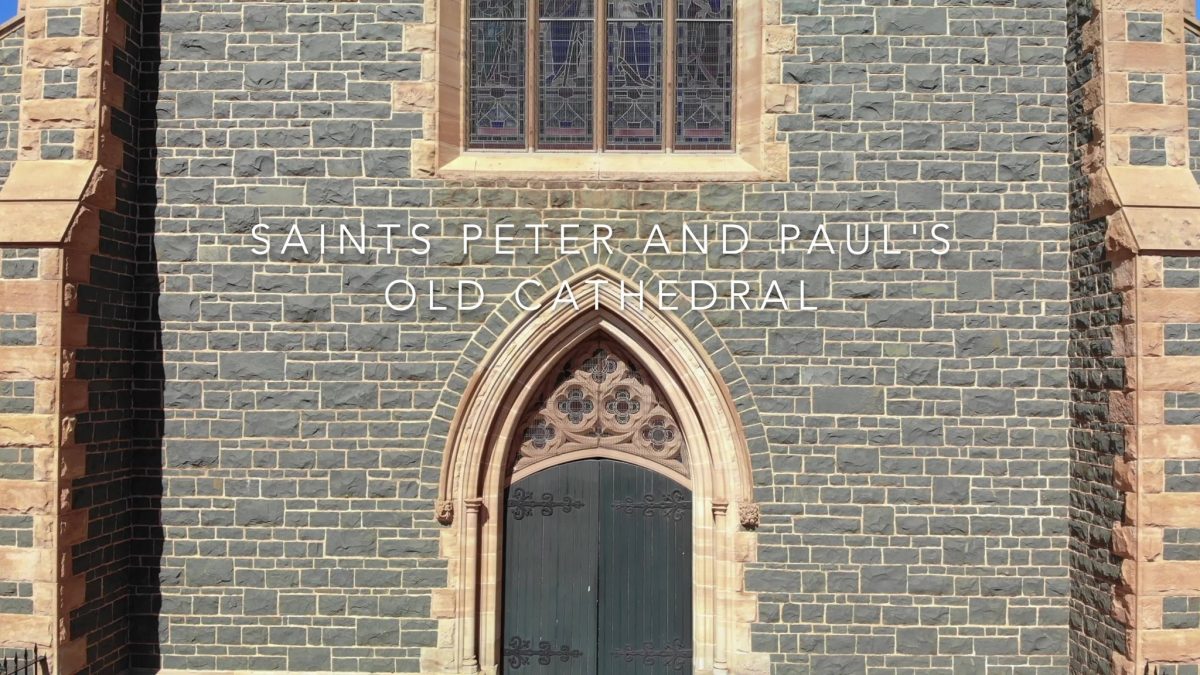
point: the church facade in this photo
(817, 337)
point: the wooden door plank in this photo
(645, 573)
(550, 572)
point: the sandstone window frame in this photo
(757, 154)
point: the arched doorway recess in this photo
(478, 468)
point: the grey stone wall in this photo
(1096, 440)
(915, 480)
(61, 82)
(1146, 150)
(17, 461)
(10, 97)
(118, 429)
(16, 597)
(17, 396)
(1181, 611)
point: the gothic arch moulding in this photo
(478, 465)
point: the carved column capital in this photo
(749, 514)
(444, 510)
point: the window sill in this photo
(675, 167)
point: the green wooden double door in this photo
(597, 572)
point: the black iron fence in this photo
(1172, 669)
(25, 662)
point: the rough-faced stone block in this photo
(848, 400)
(259, 512)
(973, 343)
(354, 543)
(208, 572)
(911, 21)
(191, 453)
(900, 314)
(251, 366)
(988, 402)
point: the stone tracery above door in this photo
(600, 399)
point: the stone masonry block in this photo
(779, 39)
(413, 96)
(779, 98)
(419, 37)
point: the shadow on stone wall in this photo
(1096, 440)
(144, 638)
(122, 366)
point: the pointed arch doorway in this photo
(598, 526)
(484, 458)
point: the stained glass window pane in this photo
(496, 91)
(566, 95)
(634, 43)
(567, 9)
(704, 85)
(629, 10)
(635, 54)
(705, 9)
(497, 9)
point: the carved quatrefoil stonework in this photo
(600, 398)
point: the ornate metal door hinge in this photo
(519, 652)
(673, 505)
(674, 655)
(522, 502)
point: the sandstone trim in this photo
(1151, 212)
(12, 24)
(43, 199)
(760, 97)
(55, 205)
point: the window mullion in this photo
(600, 116)
(668, 75)
(532, 59)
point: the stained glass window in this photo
(497, 84)
(635, 55)
(566, 73)
(704, 75)
(590, 74)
